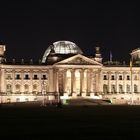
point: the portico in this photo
(75, 79)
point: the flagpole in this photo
(131, 72)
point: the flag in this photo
(110, 56)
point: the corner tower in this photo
(2, 53)
(98, 56)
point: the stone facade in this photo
(73, 77)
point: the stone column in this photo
(124, 82)
(51, 80)
(41, 84)
(22, 83)
(97, 81)
(94, 82)
(109, 86)
(87, 82)
(139, 82)
(3, 86)
(81, 81)
(65, 81)
(92, 86)
(31, 81)
(56, 81)
(13, 81)
(132, 86)
(72, 81)
(100, 81)
(117, 76)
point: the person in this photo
(59, 104)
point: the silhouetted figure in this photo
(59, 105)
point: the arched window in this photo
(17, 88)
(34, 87)
(120, 88)
(26, 88)
(128, 88)
(113, 89)
(135, 88)
(105, 89)
(9, 88)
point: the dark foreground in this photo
(75, 122)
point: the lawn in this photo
(70, 122)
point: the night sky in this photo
(27, 28)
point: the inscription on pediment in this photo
(78, 61)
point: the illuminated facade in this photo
(64, 71)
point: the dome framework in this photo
(62, 47)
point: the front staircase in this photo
(84, 101)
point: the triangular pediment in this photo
(78, 60)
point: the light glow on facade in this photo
(69, 77)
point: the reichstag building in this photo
(66, 73)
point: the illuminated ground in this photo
(70, 122)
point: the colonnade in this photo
(78, 82)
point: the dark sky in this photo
(29, 27)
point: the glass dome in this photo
(62, 47)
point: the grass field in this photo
(70, 122)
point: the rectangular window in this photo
(44, 76)
(112, 77)
(26, 76)
(9, 77)
(35, 76)
(120, 77)
(105, 77)
(18, 76)
(128, 77)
